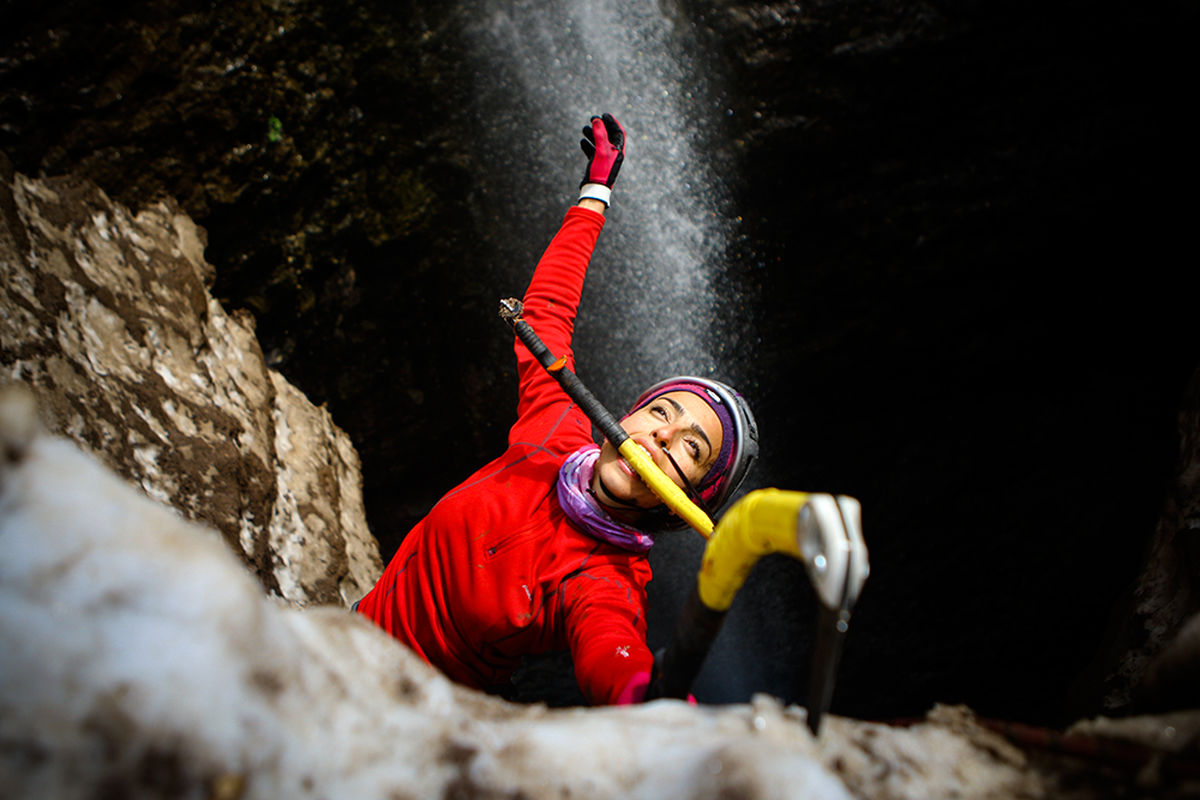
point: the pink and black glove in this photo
(603, 143)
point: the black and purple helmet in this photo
(739, 439)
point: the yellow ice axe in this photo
(822, 531)
(662, 486)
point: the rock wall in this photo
(931, 198)
(310, 139)
(107, 315)
(1152, 652)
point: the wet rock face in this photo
(1153, 654)
(958, 219)
(322, 140)
(108, 316)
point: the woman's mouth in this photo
(625, 465)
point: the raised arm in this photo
(552, 299)
(594, 205)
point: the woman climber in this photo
(544, 548)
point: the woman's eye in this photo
(694, 447)
(662, 412)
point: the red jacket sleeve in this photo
(606, 628)
(551, 302)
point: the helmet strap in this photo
(612, 500)
(692, 493)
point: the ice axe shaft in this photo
(662, 486)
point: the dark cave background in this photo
(967, 226)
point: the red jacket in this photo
(496, 571)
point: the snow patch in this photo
(132, 637)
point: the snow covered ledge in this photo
(139, 657)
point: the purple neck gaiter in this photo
(574, 481)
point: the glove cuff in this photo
(635, 689)
(596, 191)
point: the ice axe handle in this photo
(677, 665)
(510, 311)
(634, 455)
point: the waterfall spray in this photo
(542, 70)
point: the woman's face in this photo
(679, 421)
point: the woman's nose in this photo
(662, 435)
